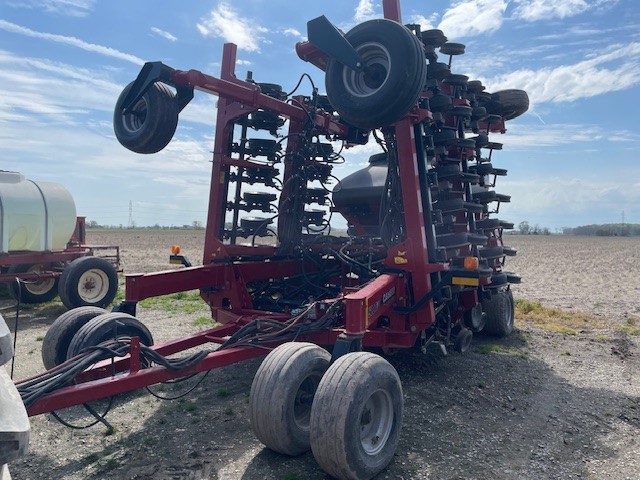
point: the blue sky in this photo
(572, 159)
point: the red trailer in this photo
(83, 275)
(422, 263)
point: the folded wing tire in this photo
(150, 123)
(394, 77)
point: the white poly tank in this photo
(34, 216)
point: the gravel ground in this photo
(537, 405)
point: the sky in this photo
(572, 158)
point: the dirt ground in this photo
(537, 405)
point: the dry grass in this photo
(556, 319)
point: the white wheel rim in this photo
(93, 285)
(376, 57)
(376, 422)
(39, 287)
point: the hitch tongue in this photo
(328, 39)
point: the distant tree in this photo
(92, 224)
(546, 231)
(524, 228)
(197, 224)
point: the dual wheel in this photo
(348, 413)
(86, 281)
(83, 327)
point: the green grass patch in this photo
(635, 331)
(499, 349)
(180, 302)
(204, 321)
(223, 392)
(291, 476)
(555, 319)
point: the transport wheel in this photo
(356, 416)
(281, 395)
(33, 291)
(462, 342)
(394, 77)
(58, 337)
(508, 104)
(106, 327)
(500, 313)
(150, 124)
(88, 281)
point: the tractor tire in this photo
(106, 327)
(356, 416)
(282, 393)
(509, 104)
(152, 121)
(33, 291)
(58, 337)
(397, 72)
(88, 281)
(500, 313)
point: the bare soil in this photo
(537, 405)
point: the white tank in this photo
(34, 216)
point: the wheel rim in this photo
(38, 287)
(509, 309)
(378, 61)
(93, 285)
(134, 120)
(376, 422)
(303, 400)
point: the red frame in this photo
(223, 277)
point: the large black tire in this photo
(106, 327)
(509, 104)
(33, 291)
(152, 121)
(88, 281)
(356, 416)
(58, 337)
(396, 75)
(500, 313)
(282, 393)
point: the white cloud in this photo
(364, 11)
(292, 32)
(424, 22)
(72, 41)
(164, 34)
(533, 10)
(521, 137)
(224, 22)
(473, 17)
(617, 69)
(73, 8)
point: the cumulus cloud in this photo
(73, 8)
(72, 41)
(226, 23)
(424, 22)
(617, 69)
(164, 34)
(364, 11)
(473, 17)
(292, 32)
(533, 10)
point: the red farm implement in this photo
(83, 275)
(422, 263)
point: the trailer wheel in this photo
(88, 281)
(281, 395)
(463, 339)
(395, 75)
(58, 337)
(106, 327)
(500, 313)
(151, 123)
(356, 416)
(33, 291)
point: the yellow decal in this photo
(470, 282)
(400, 260)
